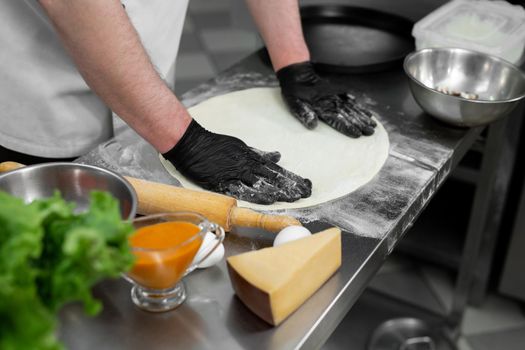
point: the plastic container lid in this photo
(493, 27)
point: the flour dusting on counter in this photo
(416, 160)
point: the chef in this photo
(67, 65)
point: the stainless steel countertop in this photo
(374, 218)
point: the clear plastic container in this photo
(493, 27)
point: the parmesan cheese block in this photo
(274, 282)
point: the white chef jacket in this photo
(46, 108)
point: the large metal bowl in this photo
(74, 181)
(498, 84)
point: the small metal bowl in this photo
(409, 333)
(498, 84)
(74, 181)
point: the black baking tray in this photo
(349, 39)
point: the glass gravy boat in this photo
(164, 246)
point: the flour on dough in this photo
(336, 164)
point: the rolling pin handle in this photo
(7, 166)
(249, 218)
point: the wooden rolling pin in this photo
(160, 198)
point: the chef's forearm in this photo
(108, 53)
(280, 26)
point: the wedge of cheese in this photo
(274, 282)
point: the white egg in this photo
(209, 242)
(290, 233)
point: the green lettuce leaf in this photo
(50, 256)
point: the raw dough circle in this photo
(336, 164)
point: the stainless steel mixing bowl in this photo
(74, 181)
(498, 84)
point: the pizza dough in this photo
(336, 164)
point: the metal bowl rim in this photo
(133, 209)
(495, 58)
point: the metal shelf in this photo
(439, 233)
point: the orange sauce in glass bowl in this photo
(166, 254)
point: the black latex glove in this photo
(225, 164)
(310, 98)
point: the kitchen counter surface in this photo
(374, 218)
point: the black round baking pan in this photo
(349, 39)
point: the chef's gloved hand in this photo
(225, 164)
(310, 98)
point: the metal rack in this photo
(512, 282)
(469, 245)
